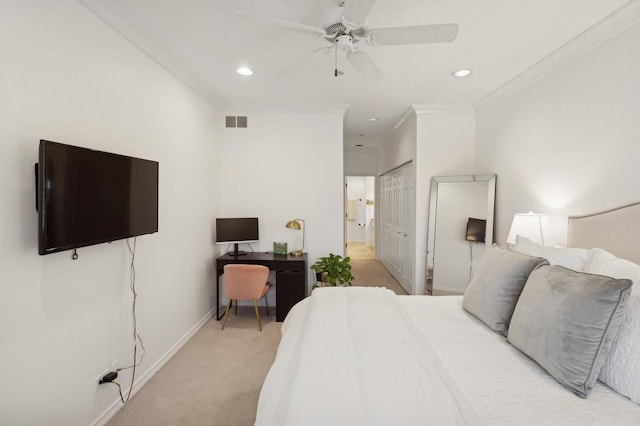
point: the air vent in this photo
(236, 121)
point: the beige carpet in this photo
(358, 250)
(371, 273)
(215, 379)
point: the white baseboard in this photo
(144, 378)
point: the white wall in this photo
(360, 161)
(287, 165)
(445, 148)
(568, 143)
(455, 258)
(400, 146)
(440, 142)
(67, 77)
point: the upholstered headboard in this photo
(616, 230)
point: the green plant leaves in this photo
(334, 269)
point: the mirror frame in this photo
(490, 179)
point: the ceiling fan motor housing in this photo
(339, 29)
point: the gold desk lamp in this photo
(294, 224)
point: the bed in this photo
(564, 351)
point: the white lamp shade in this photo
(535, 227)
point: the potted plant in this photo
(332, 270)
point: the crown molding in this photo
(111, 14)
(607, 28)
(443, 109)
(287, 109)
(432, 110)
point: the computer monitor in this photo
(237, 230)
(476, 229)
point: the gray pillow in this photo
(566, 321)
(494, 290)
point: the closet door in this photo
(397, 224)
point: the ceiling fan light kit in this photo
(345, 42)
(350, 35)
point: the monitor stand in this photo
(236, 252)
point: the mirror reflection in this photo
(461, 222)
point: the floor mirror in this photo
(461, 227)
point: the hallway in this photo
(358, 250)
(371, 273)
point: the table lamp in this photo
(530, 225)
(295, 225)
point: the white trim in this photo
(443, 109)
(115, 17)
(287, 109)
(113, 409)
(610, 26)
(404, 117)
(430, 109)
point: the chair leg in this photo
(236, 306)
(255, 305)
(266, 304)
(226, 315)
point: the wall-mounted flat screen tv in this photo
(87, 197)
(235, 230)
(476, 230)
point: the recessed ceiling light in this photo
(461, 73)
(244, 71)
(372, 119)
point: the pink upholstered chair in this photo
(245, 282)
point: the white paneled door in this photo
(397, 224)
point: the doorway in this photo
(359, 218)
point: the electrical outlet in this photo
(97, 380)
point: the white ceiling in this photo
(202, 42)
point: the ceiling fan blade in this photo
(365, 66)
(419, 34)
(298, 65)
(281, 23)
(356, 12)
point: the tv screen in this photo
(87, 197)
(235, 230)
(476, 229)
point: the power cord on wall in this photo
(470, 259)
(136, 335)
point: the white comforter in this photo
(320, 376)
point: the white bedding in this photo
(321, 377)
(351, 356)
(501, 384)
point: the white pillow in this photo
(571, 258)
(621, 369)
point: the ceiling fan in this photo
(350, 35)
